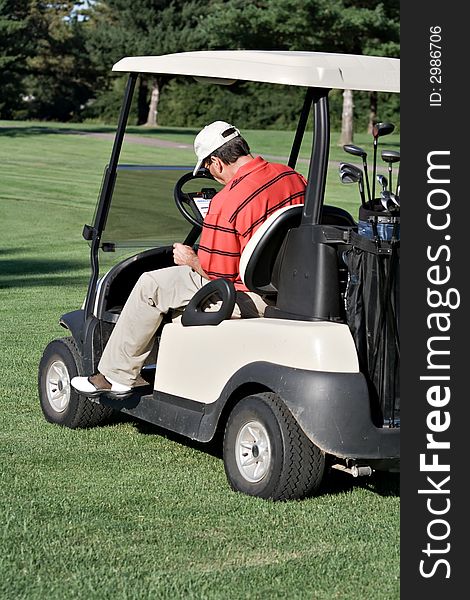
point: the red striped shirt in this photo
(258, 189)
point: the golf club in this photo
(382, 181)
(350, 178)
(390, 157)
(351, 174)
(384, 198)
(356, 151)
(389, 201)
(347, 178)
(379, 130)
(343, 166)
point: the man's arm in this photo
(185, 255)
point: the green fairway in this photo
(125, 511)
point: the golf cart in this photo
(294, 392)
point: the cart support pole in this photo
(319, 162)
(106, 195)
(302, 124)
(308, 287)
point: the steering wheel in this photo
(184, 200)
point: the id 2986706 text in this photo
(435, 66)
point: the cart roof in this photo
(310, 69)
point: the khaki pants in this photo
(154, 294)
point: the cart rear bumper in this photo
(333, 410)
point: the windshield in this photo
(143, 212)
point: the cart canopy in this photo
(309, 69)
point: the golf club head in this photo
(354, 150)
(389, 201)
(352, 169)
(382, 181)
(347, 177)
(357, 151)
(351, 174)
(378, 130)
(390, 156)
(384, 198)
(381, 129)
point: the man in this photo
(254, 189)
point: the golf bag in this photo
(372, 309)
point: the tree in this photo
(347, 132)
(60, 77)
(15, 46)
(44, 71)
(144, 27)
(347, 26)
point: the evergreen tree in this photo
(15, 46)
(344, 26)
(56, 57)
(144, 27)
(61, 78)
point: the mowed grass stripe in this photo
(125, 510)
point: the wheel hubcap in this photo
(58, 386)
(253, 451)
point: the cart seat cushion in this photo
(259, 255)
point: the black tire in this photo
(293, 466)
(60, 403)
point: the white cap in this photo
(210, 139)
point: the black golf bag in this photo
(372, 308)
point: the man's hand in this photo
(185, 255)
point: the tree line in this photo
(56, 57)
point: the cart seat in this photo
(259, 261)
(259, 255)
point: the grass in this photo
(124, 511)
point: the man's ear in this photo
(217, 164)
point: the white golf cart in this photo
(292, 391)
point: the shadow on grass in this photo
(18, 132)
(382, 483)
(183, 133)
(25, 272)
(213, 448)
(51, 129)
(389, 145)
(6, 251)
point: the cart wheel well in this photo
(247, 389)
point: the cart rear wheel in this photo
(60, 403)
(266, 454)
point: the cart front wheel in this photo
(60, 403)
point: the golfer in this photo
(254, 189)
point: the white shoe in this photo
(99, 384)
